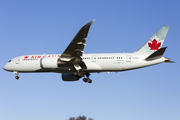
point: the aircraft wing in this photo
(76, 47)
(72, 54)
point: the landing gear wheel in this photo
(80, 75)
(89, 80)
(17, 77)
(16, 73)
(85, 79)
(75, 73)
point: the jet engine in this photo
(50, 62)
(69, 77)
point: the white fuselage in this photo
(106, 62)
(74, 64)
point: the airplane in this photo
(74, 64)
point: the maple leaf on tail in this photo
(154, 45)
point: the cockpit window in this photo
(10, 61)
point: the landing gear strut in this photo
(16, 73)
(79, 74)
(87, 79)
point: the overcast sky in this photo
(48, 26)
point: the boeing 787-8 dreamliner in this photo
(74, 64)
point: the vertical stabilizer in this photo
(155, 42)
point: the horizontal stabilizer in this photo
(157, 54)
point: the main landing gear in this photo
(82, 75)
(79, 74)
(87, 79)
(16, 73)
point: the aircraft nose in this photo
(7, 67)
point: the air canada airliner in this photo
(74, 64)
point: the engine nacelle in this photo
(48, 62)
(69, 77)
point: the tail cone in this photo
(168, 60)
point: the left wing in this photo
(72, 54)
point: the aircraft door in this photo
(17, 60)
(93, 58)
(128, 58)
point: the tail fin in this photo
(155, 42)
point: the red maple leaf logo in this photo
(26, 57)
(154, 45)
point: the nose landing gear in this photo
(16, 73)
(17, 77)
